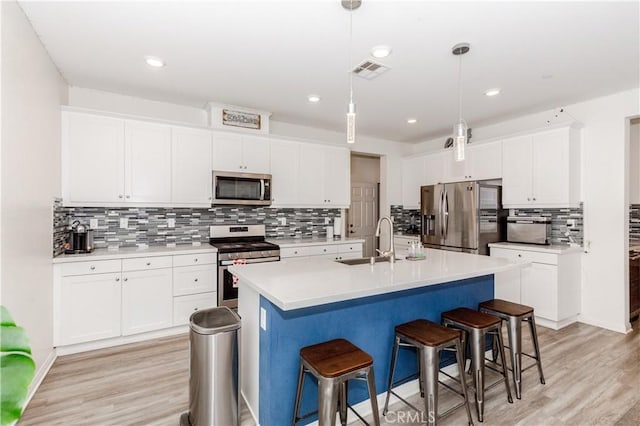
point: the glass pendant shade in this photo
(459, 140)
(351, 123)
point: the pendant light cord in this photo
(460, 88)
(350, 51)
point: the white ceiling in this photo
(271, 54)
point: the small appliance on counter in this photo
(79, 240)
(529, 230)
(413, 228)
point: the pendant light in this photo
(350, 5)
(460, 129)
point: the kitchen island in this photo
(294, 303)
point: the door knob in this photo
(352, 232)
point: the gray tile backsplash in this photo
(634, 224)
(558, 222)
(148, 226)
(402, 219)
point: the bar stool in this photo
(514, 314)
(334, 363)
(477, 325)
(429, 339)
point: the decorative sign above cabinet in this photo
(240, 119)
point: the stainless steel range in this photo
(238, 244)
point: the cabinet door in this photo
(516, 171)
(485, 161)
(506, 285)
(284, 172)
(434, 168)
(539, 288)
(227, 152)
(255, 154)
(311, 175)
(413, 177)
(337, 177)
(456, 171)
(93, 159)
(147, 301)
(89, 307)
(147, 162)
(551, 167)
(190, 166)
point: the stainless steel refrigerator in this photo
(462, 216)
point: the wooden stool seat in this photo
(506, 308)
(335, 357)
(471, 318)
(427, 333)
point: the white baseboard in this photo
(253, 415)
(41, 373)
(556, 325)
(620, 328)
(123, 340)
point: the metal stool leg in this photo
(296, 410)
(429, 369)
(463, 383)
(373, 396)
(394, 356)
(536, 347)
(327, 401)
(476, 340)
(503, 359)
(343, 402)
(514, 332)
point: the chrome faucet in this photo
(391, 254)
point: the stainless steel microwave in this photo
(231, 188)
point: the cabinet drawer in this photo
(194, 279)
(526, 256)
(350, 248)
(402, 242)
(308, 251)
(184, 306)
(85, 268)
(144, 263)
(194, 259)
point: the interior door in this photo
(431, 220)
(460, 212)
(363, 215)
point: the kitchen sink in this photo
(364, 260)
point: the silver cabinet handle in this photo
(117, 279)
(148, 263)
(126, 279)
(195, 260)
(195, 280)
(120, 196)
(324, 250)
(93, 268)
(519, 255)
(128, 196)
(528, 199)
(534, 198)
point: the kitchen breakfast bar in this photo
(291, 304)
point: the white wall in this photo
(604, 282)
(32, 91)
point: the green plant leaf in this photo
(5, 317)
(14, 339)
(16, 373)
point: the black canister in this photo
(80, 239)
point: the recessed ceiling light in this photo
(381, 51)
(412, 121)
(154, 62)
(492, 92)
(313, 98)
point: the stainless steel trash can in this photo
(213, 372)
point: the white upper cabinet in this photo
(485, 161)
(191, 166)
(542, 169)
(240, 153)
(92, 159)
(434, 167)
(284, 172)
(147, 163)
(413, 177)
(310, 175)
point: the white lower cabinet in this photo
(184, 306)
(89, 307)
(550, 285)
(147, 301)
(333, 251)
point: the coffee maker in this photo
(79, 239)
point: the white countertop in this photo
(553, 249)
(292, 242)
(293, 284)
(131, 252)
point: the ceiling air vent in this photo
(369, 69)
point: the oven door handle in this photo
(249, 261)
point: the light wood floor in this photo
(592, 375)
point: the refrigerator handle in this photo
(441, 213)
(446, 214)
